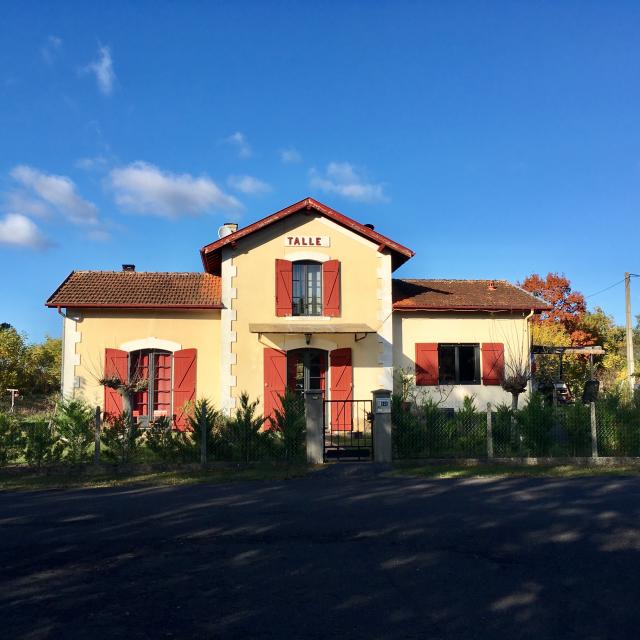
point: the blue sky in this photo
(496, 139)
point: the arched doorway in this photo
(306, 370)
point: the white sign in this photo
(383, 405)
(307, 241)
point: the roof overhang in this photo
(595, 350)
(159, 307)
(211, 253)
(309, 329)
(397, 307)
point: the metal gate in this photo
(348, 433)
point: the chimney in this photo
(492, 285)
(369, 226)
(128, 267)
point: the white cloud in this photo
(290, 155)
(42, 191)
(27, 205)
(249, 185)
(144, 188)
(239, 141)
(50, 48)
(343, 179)
(18, 231)
(102, 69)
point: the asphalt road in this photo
(340, 554)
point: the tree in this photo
(43, 363)
(32, 368)
(12, 358)
(568, 306)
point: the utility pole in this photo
(630, 362)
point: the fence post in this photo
(382, 426)
(489, 432)
(594, 431)
(96, 436)
(313, 412)
(203, 437)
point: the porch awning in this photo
(306, 327)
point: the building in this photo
(303, 298)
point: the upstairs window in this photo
(459, 363)
(307, 288)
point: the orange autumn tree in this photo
(562, 325)
(568, 306)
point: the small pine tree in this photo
(244, 431)
(289, 425)
(121, 437)
(74, 422)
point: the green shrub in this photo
(618, 424)
(535, 422)
(408, 430)
(244, 435)
(576, 419)
(469, 436)
(289, 426)
(121, 437)
(11, 439)
(42, 444)
(204, 413)
(75, 424)
(167, 444)
(506, 441)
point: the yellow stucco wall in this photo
(98, 330)
(363, 270)
(410, 328)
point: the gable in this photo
(211, 254)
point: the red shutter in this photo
(284, 284)
(426, 364)
(116, 363)
(275, 381)
(331, 288)
(492, 362)
(184, 384)
(341, 389)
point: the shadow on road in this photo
(341, 553)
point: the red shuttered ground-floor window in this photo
(170, 383)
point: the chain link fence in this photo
(537, 430)
(210, 437)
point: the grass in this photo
(512, 471)
(31, 480)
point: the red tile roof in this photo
(211, 253)
(463, 295)
(140, 290)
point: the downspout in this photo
(64, 317)
(530, 343)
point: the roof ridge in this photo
(455, 280)
(172, 273)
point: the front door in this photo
(306, 370)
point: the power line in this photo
(615, 284)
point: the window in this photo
(459, 363)
(306, 370)
(307, 288)
(155, 367)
